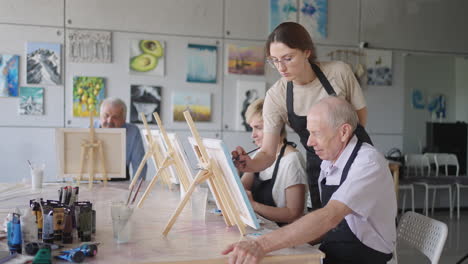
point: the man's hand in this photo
(241, 159)
(245, 252)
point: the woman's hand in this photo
(241, 159)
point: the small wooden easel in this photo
(89, 146)
(211, 172)
(153, 150)
(171, 158)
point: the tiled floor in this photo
(456, 245)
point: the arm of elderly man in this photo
(358, 195)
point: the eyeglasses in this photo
(274, 62)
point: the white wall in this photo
(216, 22)
(433, 75)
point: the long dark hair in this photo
(293, 35)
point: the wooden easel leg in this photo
(103, 162)
(153, 181)
(231, 206)
(91, 167)
(140, 168)
(198, 179)
(82, 159)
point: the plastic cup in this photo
(37, 176)
(121, 221)
(199, 199)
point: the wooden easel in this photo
(211, 172)
(89, 146)
(154, 151)
(172, 158)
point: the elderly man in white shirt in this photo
(357, 222)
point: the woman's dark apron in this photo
(299, 125)
(262, 191)
(340, 245)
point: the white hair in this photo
(114, 101)
(339, 112)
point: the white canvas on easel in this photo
(159, 141)
(69, 144)
(211, 172)
(218, 151)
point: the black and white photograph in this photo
(144, 99)
(247, 92)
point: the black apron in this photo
(340, 245)
(299, 125)
(262, 191)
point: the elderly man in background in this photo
(112, 115)
(357, 222)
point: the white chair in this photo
(422, 233)
(433, 161)
(448, 161)
(429, 183)
(419, 163)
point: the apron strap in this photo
(281, 154)
(323, 79)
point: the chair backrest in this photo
(423, 233)
(447, 160)
(419, 162)
(433, 160)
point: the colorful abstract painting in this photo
(379, 67)
(248, 60)
(8, 75)
(86, 46)
(201, 63)
(44, 63)
(313, 15)
(282, 11)
(88, 93)
(147, 57)
(247, 92)
(144, 99)
(199, 105)
(31, 101)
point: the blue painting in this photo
(379, 67)
(417, 99)
(201, 63)
(31, 101)
(313, 15)
(436, 106)
(282, 11)
(8, 75)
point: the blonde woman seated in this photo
(279, 192)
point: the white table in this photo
(188, 241)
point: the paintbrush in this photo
(138, 189)
(253, 150)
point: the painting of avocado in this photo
(201, 63)
(144, 99)
(199, 105)
(88, 93)
(31, 101)
(147, 57)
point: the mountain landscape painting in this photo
(43, 63)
